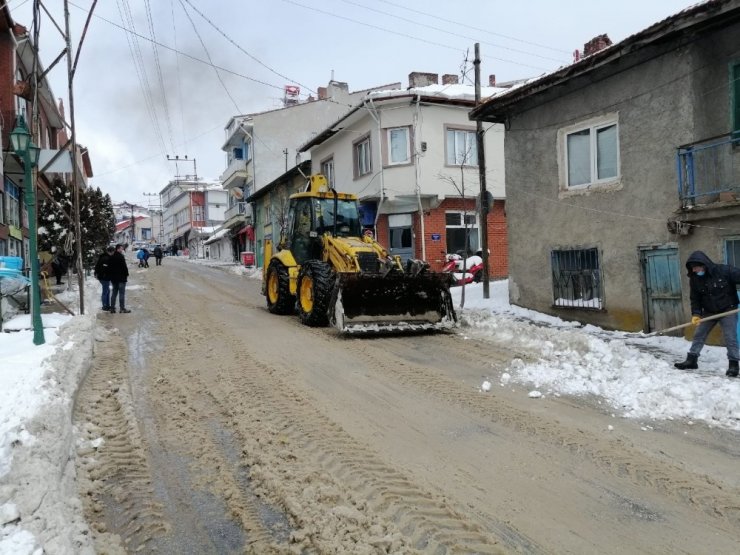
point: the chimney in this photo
(449, 79)
(491, 80)
(596, 44)
(419, 79)
(322, 93)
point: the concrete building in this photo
(411, 157)
(262, 146)
(192, 209)
(619, 166)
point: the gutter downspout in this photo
(373, 111)
(416, 177)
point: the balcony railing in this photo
(236, 174)
(709, 170)
(240, 208)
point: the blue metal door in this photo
(662, 282)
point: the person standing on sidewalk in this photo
(102, 273)
(118, 277)
(158, 254)
(713, 291)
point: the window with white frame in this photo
(20, 102)
(327, 169)
(592, 153)
(576, 278)
(462, 147)
(363, 161)
(399, 151)
(462, 233)
(13, 196)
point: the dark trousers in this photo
(119, 290)
(105, 295)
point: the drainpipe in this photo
(373, 111)
(416, 177)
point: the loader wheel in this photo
(315, 283)
(279, 299)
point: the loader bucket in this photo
(395, 302)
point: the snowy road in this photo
(209, 425)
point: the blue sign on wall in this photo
(436, 237)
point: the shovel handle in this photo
(712, 317)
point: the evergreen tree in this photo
(56, 226)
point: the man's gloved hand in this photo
(695, 320)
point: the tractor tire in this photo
(279, 299)
(315, 287)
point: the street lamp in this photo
(23, 146)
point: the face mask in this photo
(700, 273)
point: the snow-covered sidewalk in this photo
(633, 376)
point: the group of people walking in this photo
(111, 270)
(143, 256)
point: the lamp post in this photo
(23, 146)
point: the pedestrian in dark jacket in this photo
(713, 291)
(102, 273)
(118, 277)
(158, 255)
(58, 265)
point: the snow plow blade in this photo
(369, 303)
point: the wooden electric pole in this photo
(483, 197)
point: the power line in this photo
(260, 62)
(559, 60)
(412, 37)
(474, 28)
(210, 61)
(181, 53)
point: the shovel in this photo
(674, 328)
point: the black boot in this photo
(689, 363)
(732, 371)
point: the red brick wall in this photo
(434, 223)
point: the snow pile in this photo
(634, 376)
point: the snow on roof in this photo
(216, 236)
(447, 92)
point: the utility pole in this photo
(483, 203)
(176, 159)
(158, 209)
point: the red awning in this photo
(248, 230)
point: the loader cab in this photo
(310, 217)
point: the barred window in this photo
(577, 278)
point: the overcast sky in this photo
(138, 100)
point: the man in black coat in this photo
(102, 273)
(713, 291)
(118, 277)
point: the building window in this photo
(462, 149)
(198, 213)
(462, 233)
(577, 278)
(3, 247)
(2, 207)
(592, 154)
(327, 169)
(363, 165)
(13, 196)
(732, 252)
(735, 98)
(399, 151)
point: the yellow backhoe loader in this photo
(331, 273)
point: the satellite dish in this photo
(237, 193)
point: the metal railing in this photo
(708, 168)
(577, 278)
(240, 208)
